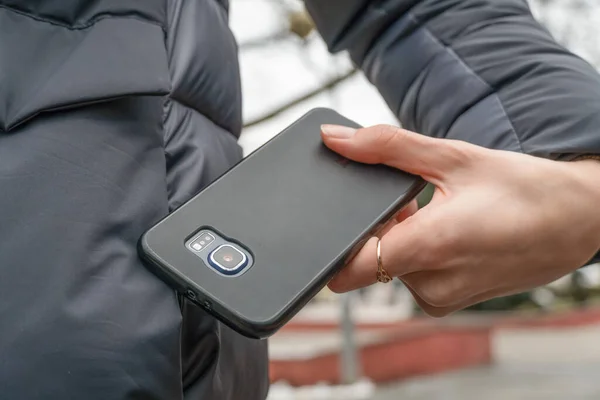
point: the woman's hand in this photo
(499, 223)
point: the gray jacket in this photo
(114, 112)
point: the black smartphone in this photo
(258, 243)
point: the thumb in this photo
(417, 154)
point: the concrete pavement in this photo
(554, 381)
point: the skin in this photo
(499, 223)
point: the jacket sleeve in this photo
(482, 71)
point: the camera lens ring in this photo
(238, 259)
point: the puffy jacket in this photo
(114, 112)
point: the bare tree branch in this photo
(267, 40)
(327, 86)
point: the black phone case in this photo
(301, 211)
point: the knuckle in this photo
(390, 139)
(459, 154)
(438, 293)
(384, 132)
(436, 312)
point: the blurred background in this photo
(538, 345)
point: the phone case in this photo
(300, 210)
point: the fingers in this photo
(413, 243)
(440, 289)
(414, 153)
(443, 311)
(360, 272)
(441, 293)
(435, 312)
(408, 211)
(404, 214)
(401, 250)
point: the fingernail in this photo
(337, 131)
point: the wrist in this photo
(586, 171)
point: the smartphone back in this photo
(296, 207)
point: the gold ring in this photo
(382, 275)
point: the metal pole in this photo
(349, 367)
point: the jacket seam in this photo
(493, 90)
(192, 108)
(79, 27)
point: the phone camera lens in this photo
(228, 258)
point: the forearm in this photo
(483, 71)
